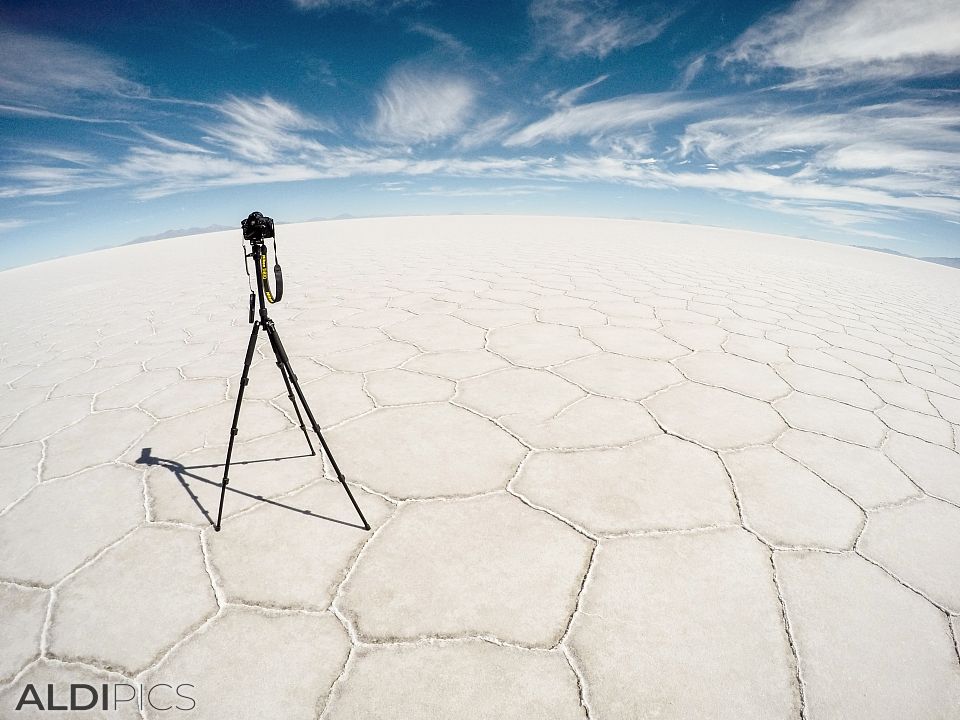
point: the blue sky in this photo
(833, 120)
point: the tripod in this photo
(258, 252)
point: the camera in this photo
(256, 227)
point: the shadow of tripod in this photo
(184, 475)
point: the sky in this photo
(828, 119)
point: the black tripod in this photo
(258, 252)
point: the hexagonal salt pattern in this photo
(468, 679)
(663, 483)
(296, 660)
(788, 505)
(88, 626)
(488, 566)
(24, 613)
(846, 616)
(684, 625)
(470, 456)
(276, 558)
(613, 469)
(62, 523)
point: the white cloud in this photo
(417, 107)
(12, 224)
(264, 129)
(851, 40)
(486, 132)
(61, 154)
(172, 144)
(156, 173)
(365, 5)
(592, 27)
(691, 71)
(849, 219)
(749, 180)
(886, 155)
(498, 191)
(916, 183)
(43, 180)
(605, 115)
(904, 124)
(38, 112)
(633, 147)
(569, 97)
(746, 181)
(836, 157)
(441, 37)
(36, 70)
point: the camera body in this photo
(256, 227)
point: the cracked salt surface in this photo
(613, 469)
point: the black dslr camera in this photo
(257, 227)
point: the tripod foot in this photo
(216, 528)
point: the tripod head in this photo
(256, 228)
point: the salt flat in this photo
(614, 469)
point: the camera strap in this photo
(277, 274)
(253, 296)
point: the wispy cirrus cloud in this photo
(838, 41)
(798, 191)
(606, 115)
(34, 180)
(417, 107)
(848, 218)
(363, 5)
(67, 155)
(749, 180)
(783, 128)
(171, 144)
(594, 27)
(41, 74)
(486, 132)
(495, 191)
(263, 129)
(12, 224)
(567, 98)
(872, 155)
(446, 40)
(902, 156)
(690, 72)
(156, 173)
(39, 112)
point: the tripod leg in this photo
(286, 381)
(282, 355)
(244, 379)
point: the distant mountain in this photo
(883, 250)
(948, 261)
(179, 233)
(952, 262)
